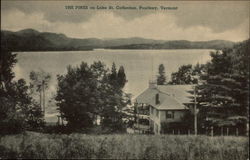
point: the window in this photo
(170, 114)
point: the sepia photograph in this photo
(124, 79)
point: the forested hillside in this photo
(181, 44)
(32, 40)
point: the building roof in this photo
(171, 97)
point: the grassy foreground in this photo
(172, 147)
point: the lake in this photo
(140, 65)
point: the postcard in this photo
(124, 79)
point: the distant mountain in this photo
(130, 41)
(32, 40)
(181, 44)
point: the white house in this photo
(167, 103)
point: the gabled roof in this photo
(171, 97)
(179, 92)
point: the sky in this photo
(193, 20)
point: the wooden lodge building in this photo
(165, 103)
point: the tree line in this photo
(83, 93)
(222, 87)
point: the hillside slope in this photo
(32, 40)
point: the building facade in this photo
(167, 104)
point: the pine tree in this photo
(161, 78)
(76, 96)
(113, 75)
(121, 77)
(225, 92)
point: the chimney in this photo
(157, 99)
(152, 85)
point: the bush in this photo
(56, 129)
(13, 126)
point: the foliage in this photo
(187, 74)
(115, 146)
(121, 77)
(113, 74)
(225, 91)
(39, 83)
(223, 87)
(117, 79)
(75, 96)
(7, 62)
(39, 79)
(18, 111)
(112, 112)
(87, 91)
(161, 78)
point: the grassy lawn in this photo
(123, 146)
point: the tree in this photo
(117, 79)
(161, 78)
(26, 106)
(117, 99)
(87, 91)
(75, 96)
(224, 94)
(9, 119)
(183, 75)
(121, 77)
(187, 74)
(7, 62)
(17, 109)
(113, 75)
(39, 83)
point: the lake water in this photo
(140, 65)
